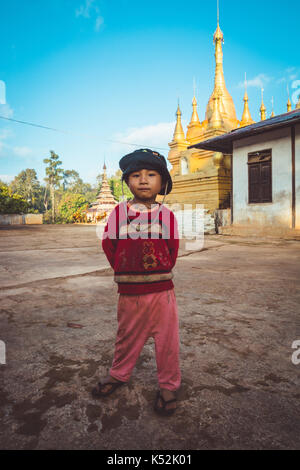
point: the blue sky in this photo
(104, 71)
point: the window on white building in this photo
(260, 176)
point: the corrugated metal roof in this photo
(223, 143)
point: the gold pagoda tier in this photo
(105, 202)
(226, 105)
(246, 118)
(200, 176)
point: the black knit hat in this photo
(150, 160)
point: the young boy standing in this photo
(141, 243)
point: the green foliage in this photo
(54, 174)
(11, 203)
(71, 206)
(115, 185)
(28, 186)
(90, 195)
(73, 183)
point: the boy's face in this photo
(145, 184)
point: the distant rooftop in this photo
(224, 143)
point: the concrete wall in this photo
(17, 219)
(31, 219)
(222, 217)
(276, 213)
(11, 219)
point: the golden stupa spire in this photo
(195, 117)
(246, 118)
(289, 104)
(194, 130)
(178, 133)
(273, 114)
(262, 108)
(226, 105)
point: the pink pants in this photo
(140, 317)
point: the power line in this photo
(84, 135)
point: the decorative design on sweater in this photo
(149, 259)
(142, 261)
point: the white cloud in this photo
(85, 9)
(22, 151)
(259, 81)
(155, 136)
(88, 10)
(6, 110)
(99, 22)
(290, 74)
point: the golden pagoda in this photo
(104, 204)
(201, 176)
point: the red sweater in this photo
(142, 259)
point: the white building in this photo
(265, 184)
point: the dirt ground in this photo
(238, 301)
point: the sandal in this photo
(97, 391)
(162, 410)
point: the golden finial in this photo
(104, 166)
(246, 118)
(178, 133)
(289, 104)
(218, 36)
(262, 108)
(194, 129)
(272, 101)
(225, 105)
(195, 117)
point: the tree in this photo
(70, 177)
(115, 185)
(71, 206)
(11, 203)
(53, 177)
(28, 186)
